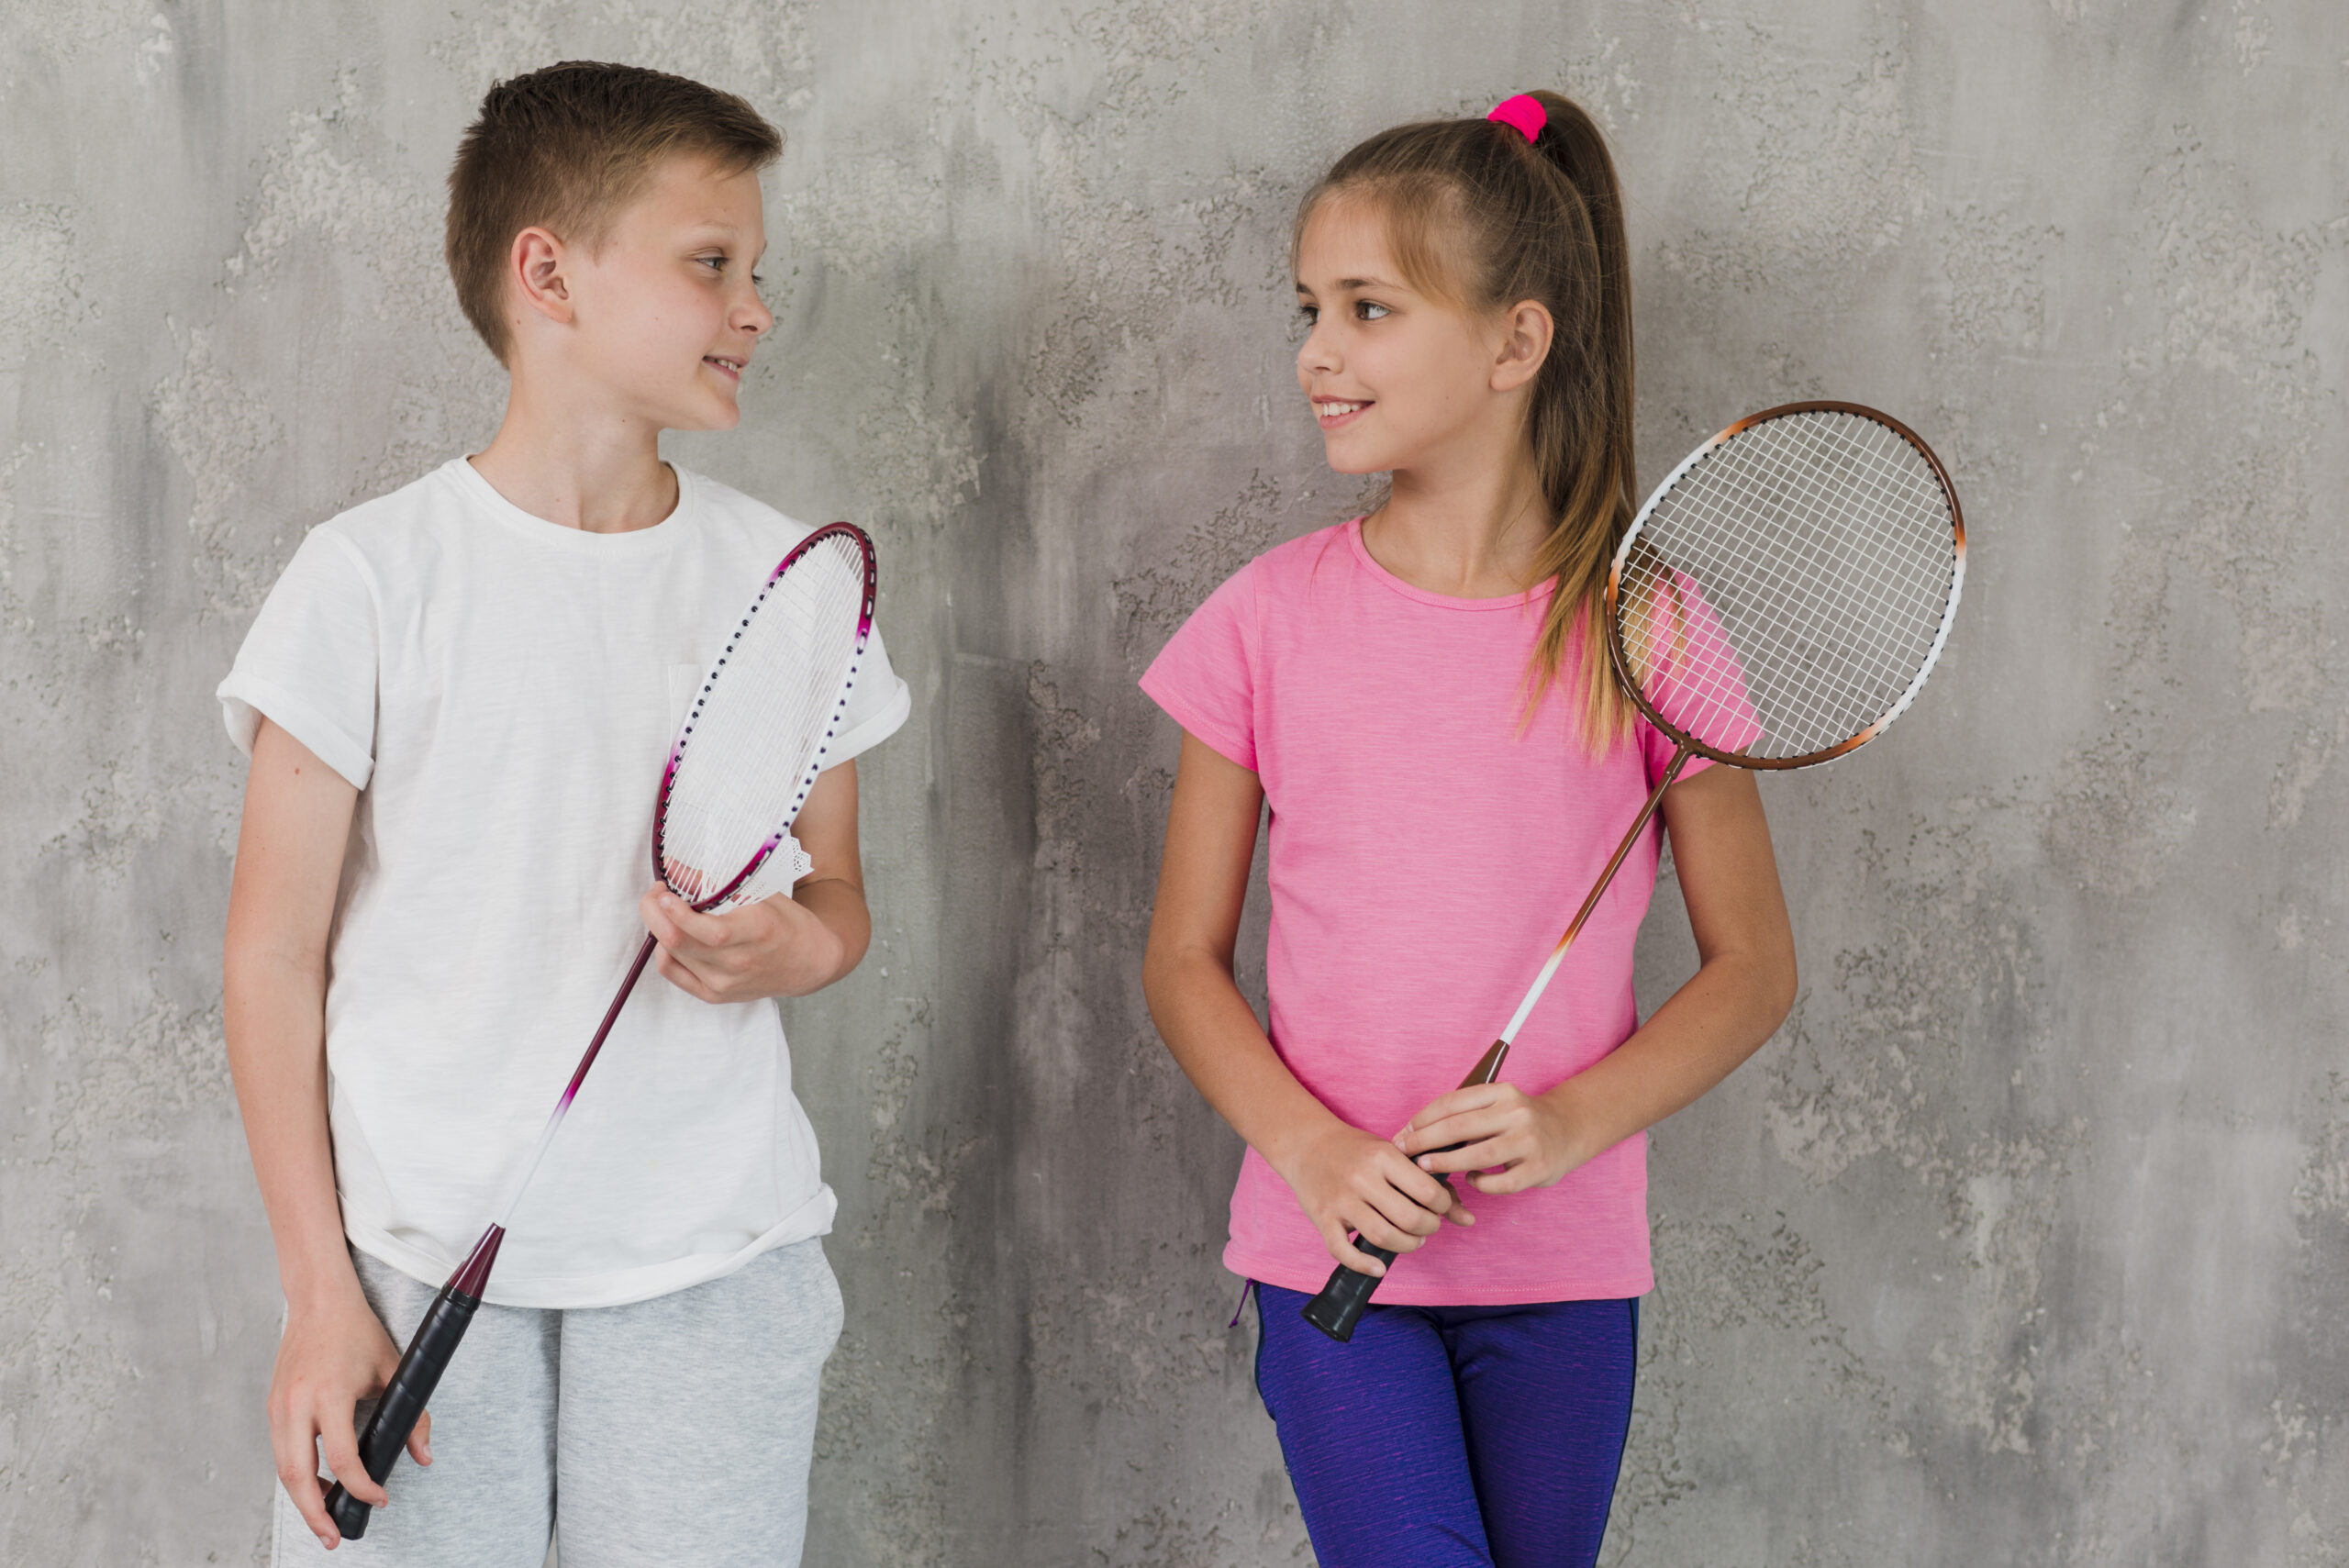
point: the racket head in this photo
(762, 726)
(1784, 594)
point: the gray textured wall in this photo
(2026, 1240)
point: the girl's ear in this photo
(1527, 335)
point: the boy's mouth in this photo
(730, 368)
(1333, 412)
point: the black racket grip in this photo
(1339, 1307)
(436, 1339)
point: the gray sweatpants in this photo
(677, 1429)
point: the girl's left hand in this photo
(1509, 1140)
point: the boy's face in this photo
(667, 310)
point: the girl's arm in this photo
(1346, 1178)
(1743, 985)
(780, 947)
(334, 1351)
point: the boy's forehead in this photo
(689, 190)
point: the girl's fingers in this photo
(1458, 1100)
(1378, 1230)
(1349, 1256)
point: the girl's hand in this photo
(1509, 1140)
(330, 1358)
(776, 948)
(1349, 1180)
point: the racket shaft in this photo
(436, 1338)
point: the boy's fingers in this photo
(696, 929)
(419, 1440)
(297, 1472)
(678, 973)
(342, 1458)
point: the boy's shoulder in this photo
(725, 509)
(401, 518)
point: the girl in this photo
(1421, 697)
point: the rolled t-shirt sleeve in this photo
(1206, 675)
(309, 663)
(878, 702)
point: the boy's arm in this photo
(334, 1351)
(781, 947)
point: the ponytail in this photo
(1480, 213)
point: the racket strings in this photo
(1787, 593)
(762, 724)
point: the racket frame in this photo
(1627, 678)
(709, 682)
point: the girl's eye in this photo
(1368, 311)
(714, 263)
(758, 280)
(1308, 314)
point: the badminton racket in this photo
(1778, 601)
(760, 730)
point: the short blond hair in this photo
(565, 149)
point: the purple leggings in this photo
(1452, 1437)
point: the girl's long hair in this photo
(1478, 217)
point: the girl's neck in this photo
(583, 467)
(1473, 537)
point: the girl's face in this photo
(1395, 377)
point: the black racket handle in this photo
(1339, 1307)
(436, 1338)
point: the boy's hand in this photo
(331, 1359)
(1508, 1140)
(1349, 1180)
(778, 948)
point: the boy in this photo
(457, 700)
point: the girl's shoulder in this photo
(1287, 574)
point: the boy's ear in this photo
(538, 265)
(1526, 337)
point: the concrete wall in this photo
(2028, 1239)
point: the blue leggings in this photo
(1452, 1437)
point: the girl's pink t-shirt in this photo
(1427, 847)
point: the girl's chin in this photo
(1343, 461)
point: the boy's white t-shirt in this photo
(502, 691)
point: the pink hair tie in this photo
(1524, 111)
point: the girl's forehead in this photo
(1345, 241)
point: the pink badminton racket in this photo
(760, 731)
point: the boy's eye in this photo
(1369, 311)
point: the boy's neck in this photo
(577, 461)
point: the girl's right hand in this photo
(332, 1357)
(1349, 1180)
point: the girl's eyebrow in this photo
(1352, 284)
